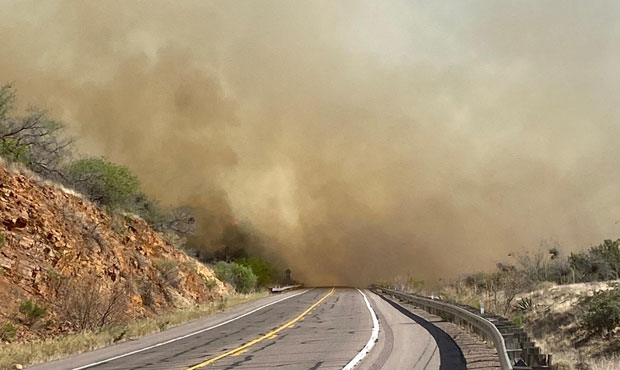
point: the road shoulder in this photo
(168, 335)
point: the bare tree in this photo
(182, 221)
(36, 141)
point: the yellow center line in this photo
(266, 336)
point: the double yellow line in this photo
(272, 333)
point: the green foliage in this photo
(1, 271)
(12, 150)
(2, 240)
(34, 139)
(602, 311)
(31, 311)
(599, 263)
(104, 182)
(518, 319)
(609, 251)
(264, 271)
(240, 277)
(7, 99)
(7, 332)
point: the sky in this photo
(360, 139)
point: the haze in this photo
(360, 139)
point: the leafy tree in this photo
(263, 270)
(104, 182)
(241, 277)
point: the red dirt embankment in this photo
(57, 245)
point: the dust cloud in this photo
(360, 139)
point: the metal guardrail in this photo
(493, 329)
(278, 289)
(484, 326)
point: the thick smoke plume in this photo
(361, 139)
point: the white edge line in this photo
(373, 337)
(187, 335)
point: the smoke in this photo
(360, 139)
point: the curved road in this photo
(321, 328)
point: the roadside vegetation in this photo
(93, 317)
(569, 303)
(41, 144)
(38, 351)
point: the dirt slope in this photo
(553, 321)
(63, 253)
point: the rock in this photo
(5, 263)
(19, 366)
(16, 223)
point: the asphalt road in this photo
(320, 328)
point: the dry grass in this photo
(553, 322)
(573, 361)
(35, 352)
(611, 363)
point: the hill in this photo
(66, 265)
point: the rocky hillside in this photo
(66, 265)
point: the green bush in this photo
(32, 312)
(104, 182)
(602, 311)
(263, 270)
(609, 251)
(599, 263)
(242, 278)
(7, 332)
(2, 240)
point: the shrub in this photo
(524, 304)
(263, 270)
(104, 182)
(169, 272)
(145, 289)
(240, 277)
(609, 251)
(602, 311)
(86, 306)
(2, 240)
(32, 312)
(210, 284)
(590, 267)
(7, 332)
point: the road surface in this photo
(320, 328)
